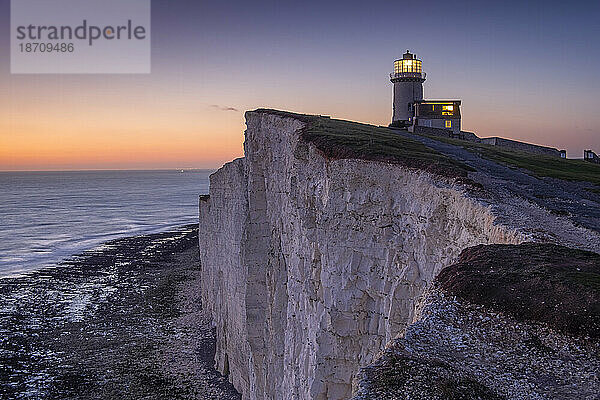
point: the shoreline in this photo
(122, 320)
(64, 256)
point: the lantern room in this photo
(409, 63)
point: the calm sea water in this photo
(47, 216)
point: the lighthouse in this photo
(408, 78)
(413, 113)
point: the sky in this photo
(523, 70)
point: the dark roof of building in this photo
(408, 56)
(437, 101)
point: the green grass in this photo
(539, 165)
(339, 139)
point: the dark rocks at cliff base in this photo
(532, 281)
(399, 375)
(122, 321)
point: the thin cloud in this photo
(223, 108)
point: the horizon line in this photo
(107, 169)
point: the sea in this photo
(46, 217)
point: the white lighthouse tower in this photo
(408, 78)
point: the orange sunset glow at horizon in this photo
(97, 132)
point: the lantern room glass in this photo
(410, 66)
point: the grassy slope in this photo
(531, 281)
(339, 139)
(539, 165)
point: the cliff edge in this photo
(321, 246)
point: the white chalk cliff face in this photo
(311, 266)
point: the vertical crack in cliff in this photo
(254, 256)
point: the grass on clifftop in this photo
(339, 139)
(539, 165)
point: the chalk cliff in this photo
(316, 256)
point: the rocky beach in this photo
(123, 320)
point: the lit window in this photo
(447, 110)
(398, 67)
(448, 124)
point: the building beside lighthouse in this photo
(410, 110)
